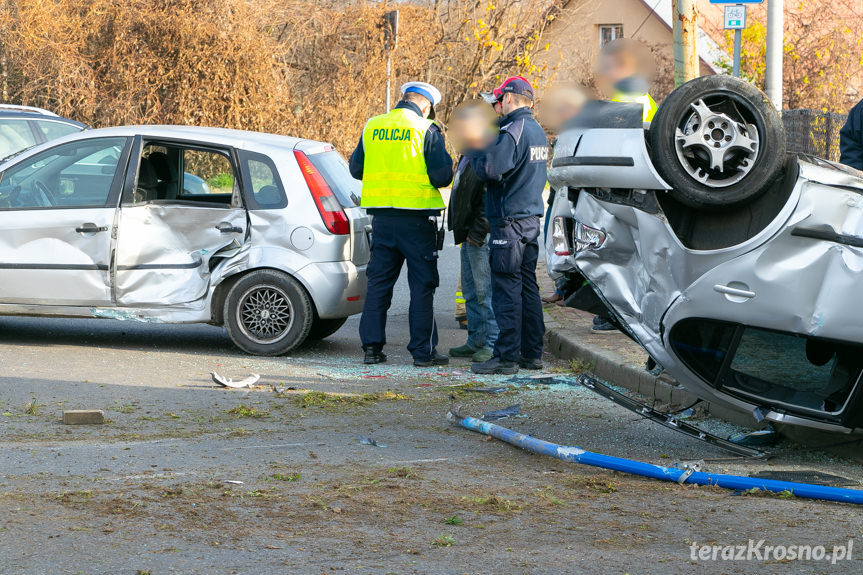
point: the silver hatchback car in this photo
(257, 232)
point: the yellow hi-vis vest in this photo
(644, 99)
(394, 171)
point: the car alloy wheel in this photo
(715, 142)
(718, 143)
(265, 314)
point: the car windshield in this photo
(335, 172)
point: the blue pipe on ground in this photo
(577, 455)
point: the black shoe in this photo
(604, 326)
(531, 364)
(435, 359)
(495, 366)
(374, 355)
(597, 320)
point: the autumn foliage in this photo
(302, 67)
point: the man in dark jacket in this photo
(466, 219)
(851, 138)
(400, 191)
(514, 170)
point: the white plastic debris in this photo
(228, 382)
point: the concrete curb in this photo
(613, 368)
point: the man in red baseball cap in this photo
(514, 171)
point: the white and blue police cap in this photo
(424, 89)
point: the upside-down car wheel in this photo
(718, 142)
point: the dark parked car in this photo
(737, 267)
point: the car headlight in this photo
(558, 236)
(587, 238)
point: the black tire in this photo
(324, 328)
(268, 313)
(685, 149)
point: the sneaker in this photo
(482, 355)
(597, 320)
(435, 359)
(495, 366)
(374, 355)
(531, 364)
(462, 351)
(554, 298)
(604, 326)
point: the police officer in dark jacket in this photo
(400, 191)
(851, 138)
(514, 169)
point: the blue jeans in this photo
(482, 328)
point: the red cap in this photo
(498, 92)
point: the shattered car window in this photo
(812, 373)
(772, 367)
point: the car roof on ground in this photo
(218, 136)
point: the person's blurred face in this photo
(498, 108)
(559, 106)
(472, 126)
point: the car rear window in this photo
(15, 135)
(335, 172)
(52, 129)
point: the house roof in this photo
(709, 51)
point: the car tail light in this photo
(328, 205)
(587, 238)
(558, 236)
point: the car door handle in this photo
(90, 228)
(229, 228)
(735, 292)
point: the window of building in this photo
(609, 32)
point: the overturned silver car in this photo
(738, 269)
(256, 232)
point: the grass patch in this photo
(243, 410)
(494, 501)
(324, 400)
(289, 477)
(454, 520)
(404, 472)
(444, 541)
(33, 407)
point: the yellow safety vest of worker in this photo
(394, 168)
(644, 99)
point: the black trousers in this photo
(514, 251)
(396, 240)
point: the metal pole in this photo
(685, 41)
(773, 80)
(389, 73)
(738, 40)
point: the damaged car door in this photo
(182, 213)
(56, 212)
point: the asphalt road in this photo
(189, 478)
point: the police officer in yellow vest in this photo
(624, 65)
(402, 161)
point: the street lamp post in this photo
(391, 38)
(773, 80)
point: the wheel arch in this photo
(221, 291)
